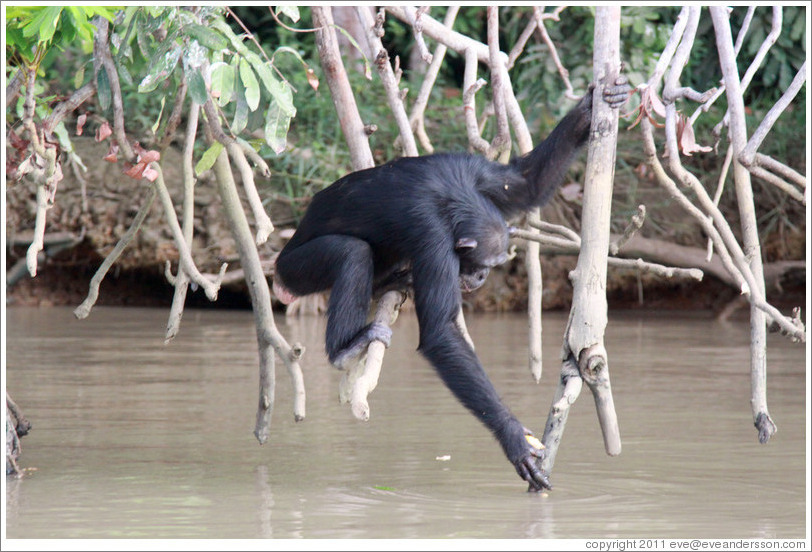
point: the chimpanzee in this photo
(437, 222)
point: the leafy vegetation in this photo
(274, 99)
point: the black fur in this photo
(435, 222)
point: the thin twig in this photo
(758, 136)
(83, 310)
(761, 54)
(174, 117)
(237, 153)
(417, 117)
(417, 28)
(186, 262)
(181, 282)
(556, 229)
(634, 225)
(76, 99)
(389, 82)
(539, 18)
(777, 167)
(470, 86)
(104, 60)
(500, 145)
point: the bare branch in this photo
(76, 99)
(437, 31)
(518, 47)
(181, 283)
(340, 90)
(748, 18)
(588, 317)
(566, 244)
(535, 288)
(43, 168)
(671, 46)
(634, 225)
(501, 142)
(705, 107)
(722, 238)
(752, 245)
(777, 167)
(775, 32)
(268, 337)
(414, 19)
(362, 377)
(748, 153)
(779, 183)
(469, 89)
(573, 247)
(416, 119)
(83, 310)
(671, 90)
(14, 85)
(557, 229)
(103, 59)
(389, 82)
(237, 153)
(566, 393)
(46, 190)
(539, 18)
(186, 262)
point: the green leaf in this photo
(251, 84)
(241, 109)
(277, 123)
(280, 91)
(124, 74)
(108, 13)
(367, 70)
(207, 37)
(69, 27)
(79, 77)
(236, 42)
(291, 11)
(222, 82)
(197, 87)
(103, 91)
(160, 114)
(161, 68)
(209, 157)
(43, 25)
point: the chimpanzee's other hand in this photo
(617, 94)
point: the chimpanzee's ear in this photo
(465, 243)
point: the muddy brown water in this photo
(134, 439)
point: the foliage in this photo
(32, 30)
(158, 48)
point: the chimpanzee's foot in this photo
(358, 346)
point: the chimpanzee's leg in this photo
(344, 264)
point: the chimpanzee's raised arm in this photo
(543, 169)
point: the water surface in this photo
(135, 439)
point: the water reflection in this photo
(134, 439)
